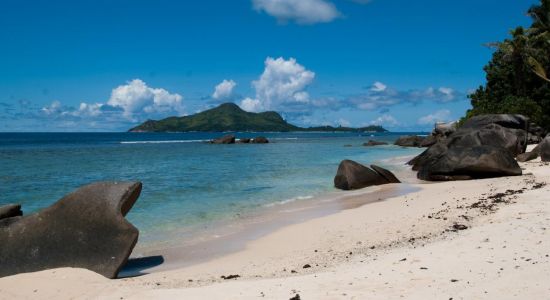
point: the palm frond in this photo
(537, 68)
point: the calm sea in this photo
(186, 183)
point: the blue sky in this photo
(108, 65)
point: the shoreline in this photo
(405, 246)
(230, 236)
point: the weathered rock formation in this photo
(459, 163)
(84, 229)
(352, 175)
(471, 151)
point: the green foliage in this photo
(230, 117)
(226, 117)
(517, 75)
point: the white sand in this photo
(384, 250)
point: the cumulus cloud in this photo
(129, 103)
(386, 120)
(224, 90)
(135, 97)
(250, 104)
(380, 96)
(282, 85)
(443, 115)
(299, 11)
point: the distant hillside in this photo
(230, 117)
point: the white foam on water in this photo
(289, 200)
(163, 142)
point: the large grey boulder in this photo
(504, 120)
(545, 149)
(459, 163)
(409, 141)
(471, 151)
(513, 140)
(84, 229)
(352, 175)
(226, 139)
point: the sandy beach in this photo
(478, 239)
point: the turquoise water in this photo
(186, 182)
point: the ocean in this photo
(187, 183)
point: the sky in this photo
(104, 65)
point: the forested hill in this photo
(230, 117)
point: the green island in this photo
(230, 117)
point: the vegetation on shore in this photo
(517, 75)
(230, 117)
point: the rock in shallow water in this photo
(352, 175)
(85, 229)
(260, 140)
(371, 143)
(226, 139)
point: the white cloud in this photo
(53, 108)
(446, 94)
(136, 97)
(438, 116)
(386, 119)
(378, 87)
(380, 95)
(86, 109)
(299, 11)
(128, 103)
(250, 104)
(224, 90)
(282, 82)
